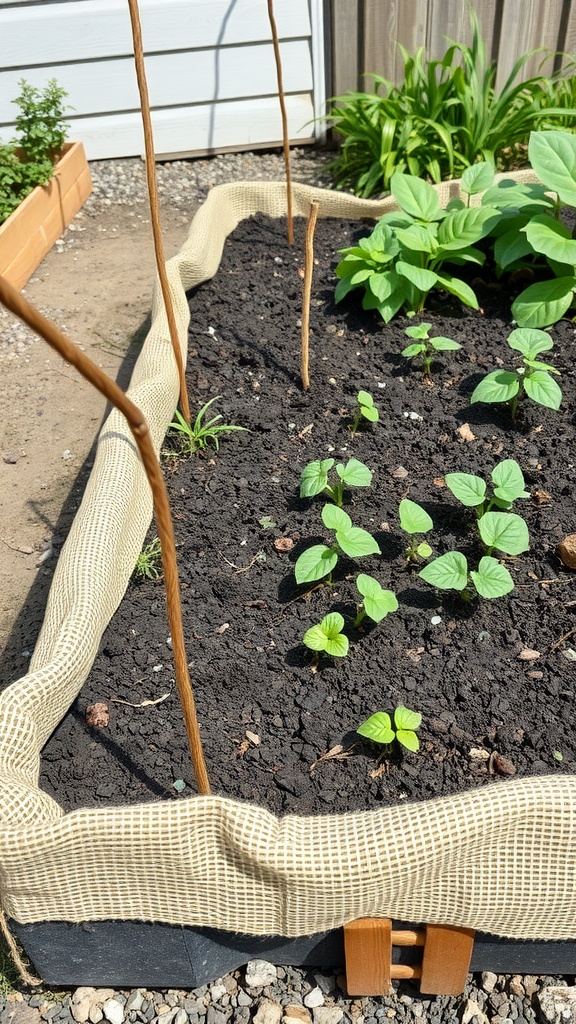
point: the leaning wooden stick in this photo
(153, 200)
(18, 305)
(306, 293)
(285, 137)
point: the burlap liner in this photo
(498, 859)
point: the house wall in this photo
(209, 64)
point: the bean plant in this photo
(365, 409)
(415, 521)
(319, 560)
(533, 378)
(327, 636)
(426, 346)
(315, 479)
(376, 602)
(507, 486)
(450, 572)
(379, 728)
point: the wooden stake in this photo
(285, 142)
(446, 959)
(153, 200)
(307, 291)
(18, 305)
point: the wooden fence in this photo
(364, 34)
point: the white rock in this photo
(327, 1014)
(268, 1013)
(314, 998)
(80, 1009)
(181, 1017)
(260, 973)
(113, 1011)
(216, 992)
(134, 1001)
(95, 1015)
(558, 1004)
(489, 981)
(472, 1013)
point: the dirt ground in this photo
(97, 286)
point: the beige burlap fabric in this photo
(498, 859)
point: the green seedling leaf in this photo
(444, 344)
(469, 489)
(508, 481)
(423, 550)
(314, 477)
(406, 722)
(497, 386)
(327, 636)
(529, 341)
(414, 350)
(464, 227)
(542, 388)
(377, 728)
(552, 238)
(505, 531)
(552, 155)
(423, 279)
(477, 178)
(368, 410)
(413, 518)
(315, 563)
(336, 518)
(355, 473)
(420, 331)
(377, 603)
(416, 197)
(544, 303)
(448, 572)
(458, 288)
(356, 542)
(492, 579)
(267, 523)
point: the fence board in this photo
(345, 44)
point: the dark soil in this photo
(267, 718)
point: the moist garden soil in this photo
(278, 730)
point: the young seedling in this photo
(450, 572)
(379, 728)
(149, 562)
(376, 603)
(319, 561)
(195, 437)
(327, 637)
(471, 490)
(532, 378)
(365, 409)
(426, 346)
(314, 479)
(415, 521)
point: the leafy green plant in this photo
(376, 602)
(533, 378)
(29, 160)
(450, 572)
(508, 485)
(415, 521)
(403, 259)
(149, 562)
(379, 728)
(196, 436)
(327, 637)
(426, 346)
(319, 560)
(315, 479)
(445, 115)
(365, 409)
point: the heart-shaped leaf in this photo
(377, 728)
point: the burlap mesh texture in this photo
(498, 859)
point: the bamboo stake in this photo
(307, 291)
(153, 200)
(19, 306)
(285, 142)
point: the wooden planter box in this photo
(33, 227)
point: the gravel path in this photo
(263, 993)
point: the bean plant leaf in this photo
(477, 178)
(448, 572)
(367, 408)
(314, 478)
(408, 739)
(413, 518)
(492, 579)
(505, 531)
(355, 473)
(552, 238)
(542, 388)
(419, 331)
(356, 542)
(552, 155)
(377, 602)
(414, 350)
(416, 197)
(335, 518)
(444, 344)
(404, 718)
(315, 563)
(508, 481)
(423, 279)
(464, 227)
(544, 303)
(458, 288)
(469, 489)
(498, 386)
(510, 247)
(377, 728)
(327, 636)
(529, 341)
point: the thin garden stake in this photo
(285, 142)
(18, 305)
(308, 268)
(153, 200)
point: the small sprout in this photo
(364, 410)
(414, 520)
(314, 479)
(377, 603)
(450, 572)
(471, 490)
(533, 378)
(558, 755)
(149, 562)
(425, 346)
(318, 561)
(195, 437)
(379, 728)
(327, 637)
